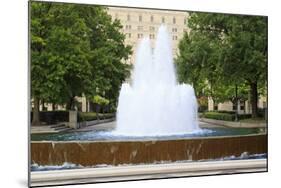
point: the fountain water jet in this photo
(155, 104)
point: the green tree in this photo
(234, 50)
(75, 50)
(100, 102)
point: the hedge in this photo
(224, 116)
(222, 111)
(52, 117)
(90, 116)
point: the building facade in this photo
(244, 107)
(138, 23)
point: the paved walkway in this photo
(101, 126)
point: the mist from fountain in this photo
(155, 104)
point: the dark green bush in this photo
(223, 111)
(52, 117)
(202, 108)
(244, 116)
(90, 116)
(224, 116)
(219, 116)
(261, 112)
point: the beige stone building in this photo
(138, 23)
(243, 107)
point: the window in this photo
(174, 29)
(163, 19)
(140, 18)
(184, 21)
(128, 17)
(151, 19)
(151, 36)
(128, 26)
(129, 35)
(174, 20)
(151, 28)
(140, 35)
(175, 37)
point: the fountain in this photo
(156, 123)
(155, 104)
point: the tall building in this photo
(138, 23)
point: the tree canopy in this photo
(222, 52)
(75, 50)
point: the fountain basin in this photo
(118, 152)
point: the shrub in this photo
(223, 111)
(90, 116)
(52, 117)
(219, 116)
(261, 112)
(225, 116)
(244, 116)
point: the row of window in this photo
(151, 28)
(151, 36)
(140, 19)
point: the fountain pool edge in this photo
(91, 153)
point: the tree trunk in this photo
(97, 111)
(254, 99)
(236, 103)
(36, 113)
(70, 104)
(43, 105)
(53, 106)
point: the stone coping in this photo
(153, 171)
(149, 139)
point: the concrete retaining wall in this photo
(88, 153)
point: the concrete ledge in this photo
(92, 175)
(233, 124)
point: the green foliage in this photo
(100, 100)
(224, 116)
(90, 116)
(223, 54)
(219, 116)
(75, 50)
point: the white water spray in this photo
(155, 104)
